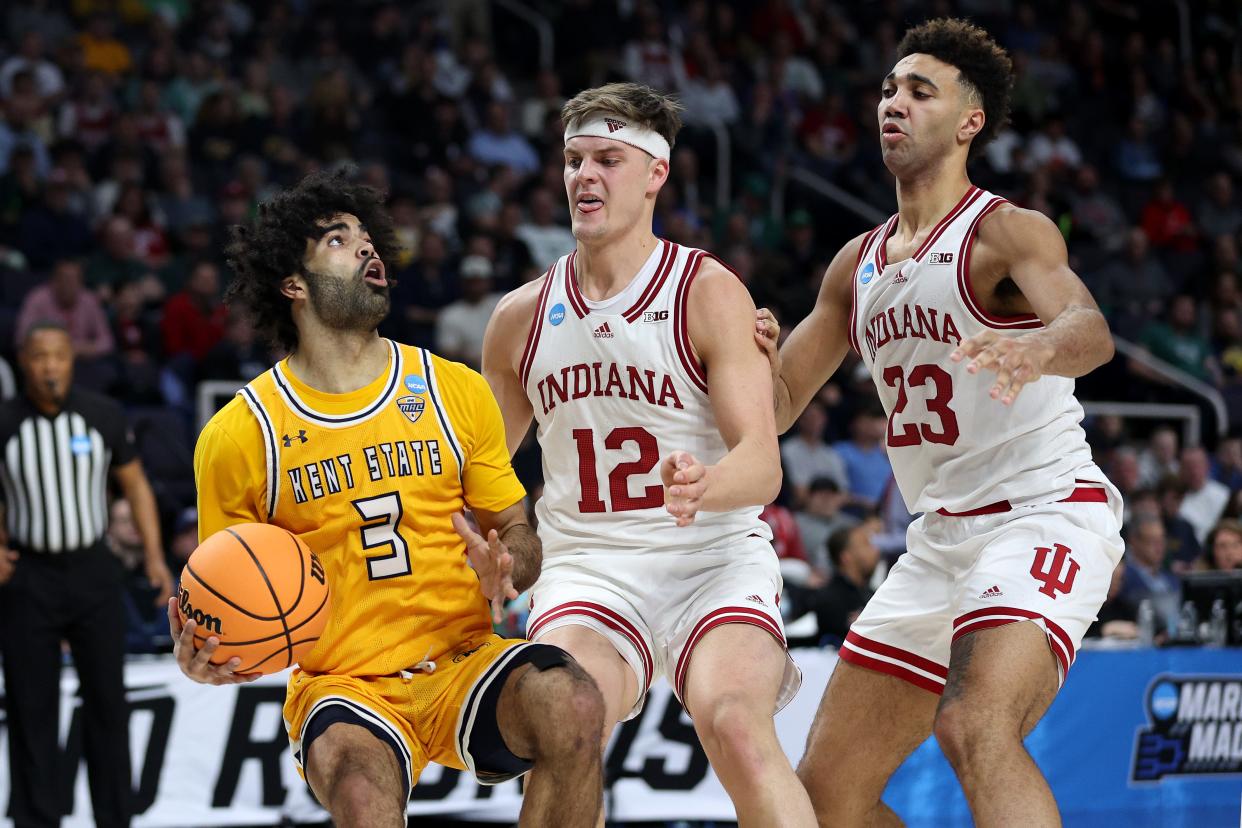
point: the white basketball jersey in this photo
(951, 445)
(616, 387)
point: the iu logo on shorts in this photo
(1055, 569)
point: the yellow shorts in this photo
(447, 716)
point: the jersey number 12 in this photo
(619, 478)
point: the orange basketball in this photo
(258, 589)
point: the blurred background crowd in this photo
(134, 132)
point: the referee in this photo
(60, 581)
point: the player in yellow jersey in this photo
(369, 451)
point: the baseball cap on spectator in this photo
(823, 484)
(476, 267)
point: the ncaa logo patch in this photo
(557, 315)
(411, 407)
(868, 273)
(81, 444)
(415, 384)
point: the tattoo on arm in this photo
(527, 552)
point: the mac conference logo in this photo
(1194, 728)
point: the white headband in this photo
(621, 129)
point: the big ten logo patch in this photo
(1055, 569)
(655, 316)
(1194, 727)
(940, 258)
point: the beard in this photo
(346, 304)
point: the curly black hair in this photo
(273, 246)
(984, 67)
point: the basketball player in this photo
(635, 356)
(972, 325)
(368, 450)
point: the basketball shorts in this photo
(447, 716)
(1049, 563)
(655, 607)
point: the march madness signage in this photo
(1194, 728)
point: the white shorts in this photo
(655, 607)
(1049, 563)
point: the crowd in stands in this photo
(134, 132)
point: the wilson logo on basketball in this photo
(614, 125)
(207, 622)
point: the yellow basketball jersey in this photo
(368, 480)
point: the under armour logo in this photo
(300, 437)
(1056, 575)
(614, 125)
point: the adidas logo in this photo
(900, 277)
(992, 592)
(614, 125)
(755, 599)
(603, 332)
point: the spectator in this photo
(1180, 540)
(866, 460)
(499, 143)
(101, 51)
(459, 331)
(1219, 214)
(1227, 465)
(1178, 342)
(1134, 288)
(1167, 222)
(238, 356)
(1205, 498)
(194, 319)
(49, 81)
(53, 229)
(805, 456)
(1224, 545)
(546, 240)
(1146, 576)
(1052, 148)
(117, 262)
(65, 301)
(1159, 459)
(422, 291)
(787, 544)
(1116, 617)
(854, 560)
(820, 516)
(88, 116)
(709, 99)
(1138, 159)
(1098, 217)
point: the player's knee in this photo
(967, 733)
(573, 712)
(730, 729)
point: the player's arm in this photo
(519, 538)
(719, 319)
(1075, 339)
(503, 345)
(229, 491)
(815, 348)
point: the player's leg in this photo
(356, 776)
(881, 699)
(868, 722)
(551, 712)
(612, 674)
(1051, 566)
(732, 709)
(1001, 681)
(354, 748)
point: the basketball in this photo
(258, 589)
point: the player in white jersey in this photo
(635, 357)
(964, 310)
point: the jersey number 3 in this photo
(912, 434)
(619, 478)
(382, 514)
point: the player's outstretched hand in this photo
(768, 335)
(196, 662)
(685, 481)
(1016, 361)
(492, 562)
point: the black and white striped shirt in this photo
(54, 470)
